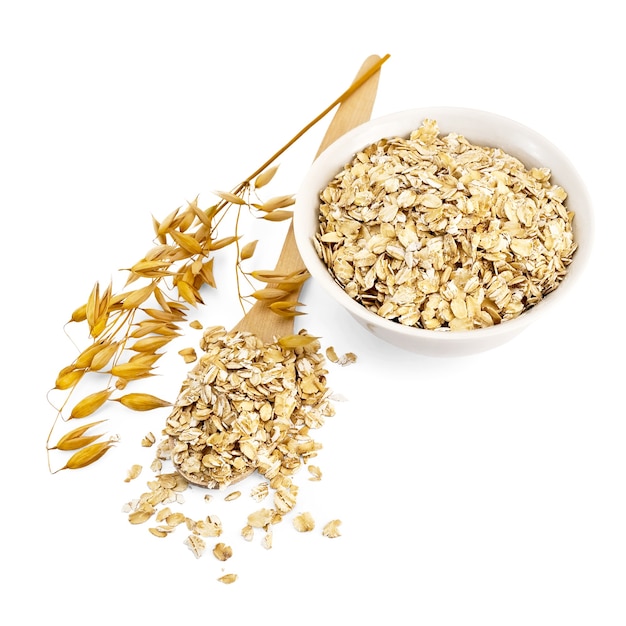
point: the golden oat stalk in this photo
(128, 331)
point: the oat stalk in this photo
(128, 331)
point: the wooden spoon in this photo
(355, 110)
(260, 319)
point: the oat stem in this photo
(346, 94)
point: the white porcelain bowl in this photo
(478, 127)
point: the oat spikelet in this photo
(265, 177)
(131, 370)
(296, 341)
(285, 308)
(76, 439)
(85, 358)
(150, 344)
(188, 292)
(68, 378)
(278, 216)
(186, 241)
(269, 293)
(230, 197)
(278, 202)
(90, 404)
(142, 401)
(222, 243)
(180, 256)
(79, 314)
(89, 454)
(248, 250)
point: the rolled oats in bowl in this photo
(443, 230)
(435, 232)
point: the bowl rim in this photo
(400, 123)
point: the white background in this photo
(483, 490)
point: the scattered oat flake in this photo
(233, 495)
(247, 532)
(260, 518)
(175, 519)
(222, 552)
(316, 472)
(268, 540)
(188, 354)
(196, 545)
(148, 440)
(331, 354)
(347, 359)
(209, 527)
(228, 579)
(196, 324)
(163, 514)
(260, 492)
(139, 516)
(133, 473)
(304, 523)
(331, 529)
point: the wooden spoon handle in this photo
(353, 111)
(356, 109)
